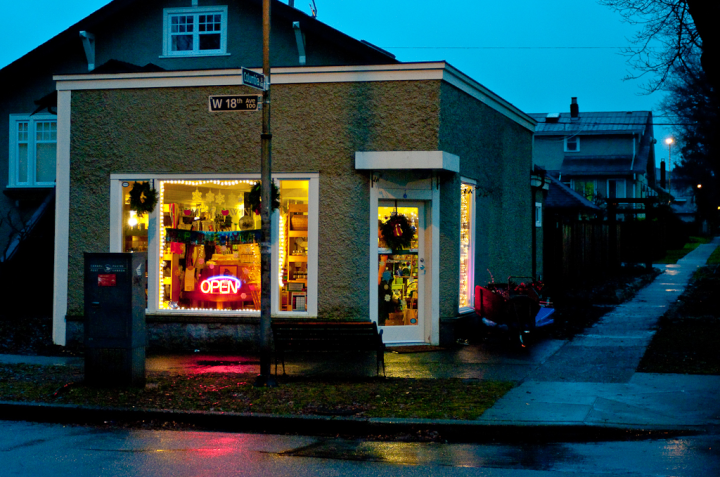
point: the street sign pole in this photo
(265, 377)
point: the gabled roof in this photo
(363, 49)
(562, 197)
(611, 122)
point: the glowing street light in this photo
(669, 141)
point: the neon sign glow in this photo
(221, 285)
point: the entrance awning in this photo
(392, 160)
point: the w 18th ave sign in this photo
(237, 102)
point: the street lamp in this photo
(669, 141)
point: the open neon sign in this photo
(221, 285)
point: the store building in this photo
(354, 148)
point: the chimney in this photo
(574, 109)
(662, 174)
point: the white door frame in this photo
(431, 303)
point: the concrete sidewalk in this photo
(580, 387)
(591, 380)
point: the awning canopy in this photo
(419, 160)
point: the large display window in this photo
(203, 241)
(210, 236)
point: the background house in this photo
(598, 154)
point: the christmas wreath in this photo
(256, 197)
(143, 198)
(397, 232)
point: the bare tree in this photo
(667, 37)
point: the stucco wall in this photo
(497, 153)
(316, 128)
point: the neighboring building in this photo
(598, 154)
(682, 191)
(357, 137)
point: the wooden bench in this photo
(334, 336)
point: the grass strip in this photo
(372, 397)
(672, 256)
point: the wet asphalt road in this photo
(39, 450)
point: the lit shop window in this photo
(210, 238)
(467, 220)
(293, 238)
(135, 226)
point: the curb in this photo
(448, 430)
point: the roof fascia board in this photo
(468, 85)
(326, 74)
(574, 132)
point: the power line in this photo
(510, 47)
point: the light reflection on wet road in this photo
(39, 450)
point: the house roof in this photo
(363, 49)
(602, 165)
(610, 122)
(562, 197)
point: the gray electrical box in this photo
(115, 335)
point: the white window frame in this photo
(116, 229)
(32, 120)
(471, 248)
(575, 140)
(538, 214)
(168, 13)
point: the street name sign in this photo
(252, 79)
(235, 102)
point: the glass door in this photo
(401, 269)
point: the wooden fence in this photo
(585, 251)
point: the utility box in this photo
(115, 335)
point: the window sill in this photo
(192, 55)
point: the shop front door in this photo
(401, 271)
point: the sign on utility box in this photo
(115, 334)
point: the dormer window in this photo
(195, 31)
(572, 144)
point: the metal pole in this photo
(265, 377)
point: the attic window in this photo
(552, 118)
(572, 144)
(195, 31)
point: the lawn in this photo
(371, 397)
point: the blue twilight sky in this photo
(535, 54)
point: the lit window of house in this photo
(33, 147)
(586, 188)
(198, 31)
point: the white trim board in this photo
(381, 160)
(441, 71)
